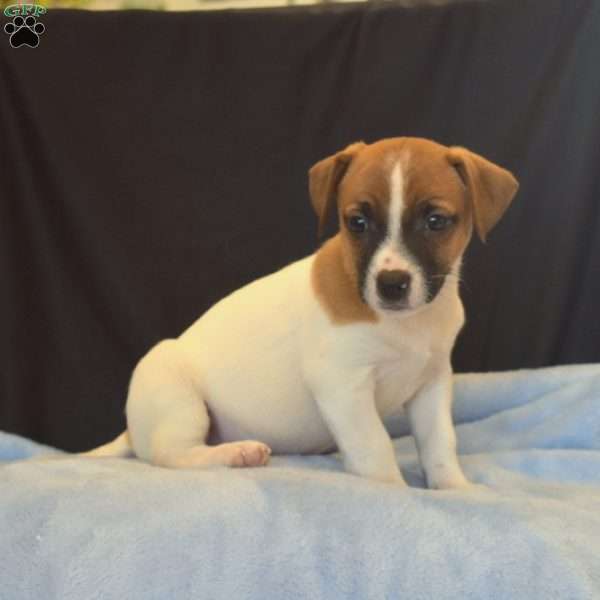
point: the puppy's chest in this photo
(401, 371)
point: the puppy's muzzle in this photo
(393, 287)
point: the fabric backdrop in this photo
(153, 162)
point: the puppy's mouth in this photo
(402, 305)
(431, 287)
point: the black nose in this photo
(393, 285)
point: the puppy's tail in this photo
(120, 447)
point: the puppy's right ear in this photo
(324, 179)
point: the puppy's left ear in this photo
(324, 178)
(490, 187)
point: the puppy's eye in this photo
(357, 223)
(438, 221)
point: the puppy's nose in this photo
(393, 285)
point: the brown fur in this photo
(490, 187)
(324, 178)
(336, 287)
(429, 179)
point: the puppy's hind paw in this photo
(247, 453)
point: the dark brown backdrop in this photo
(153, 162)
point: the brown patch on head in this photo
(365, 190)
(335, 276)
(433, 191)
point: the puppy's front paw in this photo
(393, 476)
(395, 479)
(445, 477)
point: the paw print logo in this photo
(24, 32)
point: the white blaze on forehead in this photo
(390, 256)
(396, 202)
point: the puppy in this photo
(314, 356)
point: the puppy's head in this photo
(406, 209)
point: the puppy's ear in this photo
(490, 187)
(324, 179)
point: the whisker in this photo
(457, 277)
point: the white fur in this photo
(396, 202)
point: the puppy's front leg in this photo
(348, 408)
(430, 418)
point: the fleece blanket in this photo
(78, 528)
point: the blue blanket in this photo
(75, 528)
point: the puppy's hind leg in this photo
(168, 419)
(120, 447)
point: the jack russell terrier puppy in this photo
(314, 356)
